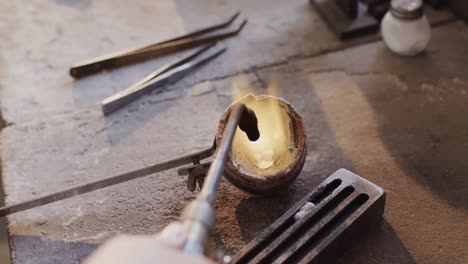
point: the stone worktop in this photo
(398, 122)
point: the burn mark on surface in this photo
(78, 4)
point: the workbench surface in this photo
(398, 122)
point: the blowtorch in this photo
(199, 216)
(312, 231)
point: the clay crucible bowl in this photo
(277, 157)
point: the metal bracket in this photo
(196, 174)
(347, 18)
(352, 18)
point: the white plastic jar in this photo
(405, 29)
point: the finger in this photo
(173, 235)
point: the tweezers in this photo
(166, 74)
(128, 56)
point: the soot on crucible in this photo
(249, 124)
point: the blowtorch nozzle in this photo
(248, 124)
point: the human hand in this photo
(165, 247)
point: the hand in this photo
(165, 247)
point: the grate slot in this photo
(261, 246)
(329, 188)
(327, 229)
(311, 220)
(283, 225)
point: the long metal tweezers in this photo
(166, 74)
(133, 55)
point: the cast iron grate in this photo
(345, 205)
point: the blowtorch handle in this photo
(198, 219)
(213, 176)
(199, 216)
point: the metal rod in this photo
(208, 192)
(199, 216)
(89, 187)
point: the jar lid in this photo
(407, 9)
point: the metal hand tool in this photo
(166, 74)
(199, 216)
(250, 121)
(133, 55)
(96, 185)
